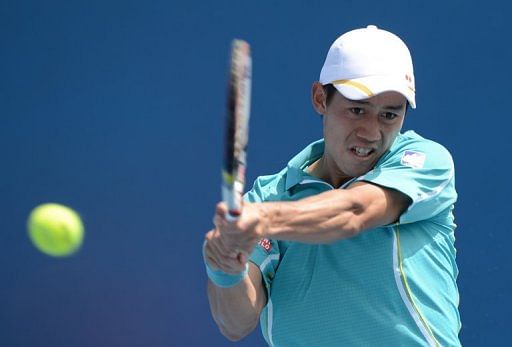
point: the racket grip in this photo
(232, 216)
(232, 196)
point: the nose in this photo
(369, 129)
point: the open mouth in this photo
(362, 152)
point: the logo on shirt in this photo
(266, 244)
(413, 159)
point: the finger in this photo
(221, 209)
(220, 213)
(220, 216)
(225, 245)
(220, 243)
(219, 220)
(212, 262)
(215, 261)
(231, 267)
(238, 243)
(215, 258)
(215, 254)
(243, 258)
(210, 256)
(235, 268)
(220, 254)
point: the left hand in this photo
(244, 233)
(219, 257)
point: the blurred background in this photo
(116, 109)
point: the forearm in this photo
(322, 218)
(236, 309)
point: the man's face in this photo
(358, 133)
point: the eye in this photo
(389, 115)
(357, 110)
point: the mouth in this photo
(362, 152)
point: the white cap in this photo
(366, 62)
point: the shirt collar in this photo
(295, 168)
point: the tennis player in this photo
(352, 243)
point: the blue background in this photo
(116, 109)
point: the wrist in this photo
(221, 278)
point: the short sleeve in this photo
(422, 170)
(266, 255)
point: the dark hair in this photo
(329, 90)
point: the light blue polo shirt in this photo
(390, 286)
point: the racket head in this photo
(237, 126)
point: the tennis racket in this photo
(237, 128)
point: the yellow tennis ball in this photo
(55, 229)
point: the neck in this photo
(327, 172)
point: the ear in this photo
(319, 98)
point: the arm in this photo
(323, 218)
(335, 214)
(236, 309)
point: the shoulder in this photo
(413, 150)
(274, 187)
(268, 187)
(420, 168)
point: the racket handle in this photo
(232, 196)
(232, 216)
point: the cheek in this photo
(390, 137)
(334, 136)
(335, 127)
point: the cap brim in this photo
(366, 87)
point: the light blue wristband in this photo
(221, 278)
